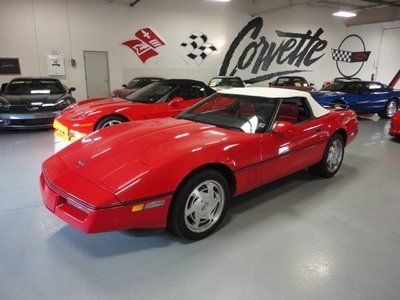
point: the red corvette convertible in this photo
(395, 125)
(159, 99)
(180, 172)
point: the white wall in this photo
(98, 25)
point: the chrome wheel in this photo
(204, 206)
(335, 155)
(391, 109)
(111, 123)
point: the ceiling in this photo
(368, 11)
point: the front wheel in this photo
(332, 159)
(199, 206)
(390, 109)
(109, 121)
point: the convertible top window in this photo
(34, 86)
(235, 112)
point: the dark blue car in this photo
(364, 97)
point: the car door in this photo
(295, 150)
(376, 97)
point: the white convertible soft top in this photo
(278, 93)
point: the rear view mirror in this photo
(175, 101)
(71, 89)
(283, 127)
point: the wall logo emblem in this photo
(343, 56)
(145, 44)
(197, 48)
(297, 49)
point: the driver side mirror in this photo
(175, 101)
(124, 86)
(283, 127)
(71, 89)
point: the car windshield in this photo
(152, 93)
(291, 81)
(235, 112)
(345, 87)
(34, 86)
(138, 83)
(234, 82)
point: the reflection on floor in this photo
(299, 238)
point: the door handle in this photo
(317, 128)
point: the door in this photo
(96, 73)
(376, 96)
(389, 61)
(304, 146)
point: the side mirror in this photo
(71, 89)
(3, 87)
(124, 86)
(312, 84)
(175, 101)
(283, 127)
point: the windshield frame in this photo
(268, 127)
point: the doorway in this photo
(96, 73)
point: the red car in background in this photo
(158, 100)
(395, 125)
(180, 172)
(134, 85)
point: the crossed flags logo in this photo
(144, 44)
(349, 56)
(197, 48)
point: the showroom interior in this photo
(166, 204)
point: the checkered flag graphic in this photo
(341, 55)
(350, 56)
(197, 48)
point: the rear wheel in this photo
(110, 121)
(332, 159)
(390, 109)
(199, 206)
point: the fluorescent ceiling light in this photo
(344, 14)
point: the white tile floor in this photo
(299, 238)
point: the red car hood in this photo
(103, 103)
(117, 156)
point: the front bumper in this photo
(63, 133)
(393, 131)
(27, 121)
(90, 219)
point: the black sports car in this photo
(32, 103)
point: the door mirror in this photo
(124, 86)
(312, 84)
(175, 101)
(3, 87)
(71, 89)
(283, 127)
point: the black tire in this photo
(176, 219)
(106, 120)
(387, 113)
(322, 168)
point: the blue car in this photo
(364, 97)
